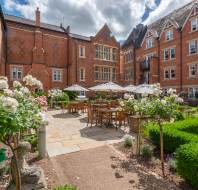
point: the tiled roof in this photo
(178, 17)
(80, 37)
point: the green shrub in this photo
(146, 151)
(72, 95)
(128, 141)
(175, 134)
(187, 163)
(33, 140)
(65, 187)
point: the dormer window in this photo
(169, 35)
(194, 24)
(149, 43)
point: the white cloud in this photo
(86, 17)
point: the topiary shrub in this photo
(173, 165)
(187, 163)
(128, 141)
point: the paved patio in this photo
(68, 133)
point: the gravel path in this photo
(102, 168)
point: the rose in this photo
(9, 104)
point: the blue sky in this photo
(86, 17)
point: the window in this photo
(172, 73)
(113, 74)
(97, 73)
(192, 47)
(106, 73)
(169, 74)
(149, 43)
(193, 93)
(82, 51)
(114, 54)
(97, 51)
(57, 75)
(169, 35)
(192, 71)
(172, 53)
(17, 73)
(82, 74)
(106, 53)
(166, 74)
(82, 93)
(194, 24)
(166, 54)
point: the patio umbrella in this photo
(107, 87)
(76, 88)
(130, 88)
(146, 89)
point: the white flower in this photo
(126, 137)
(171, 91)
(179, 100)
(43, 118)
(17, 94)
(8, 92)
(32, 81)
(163, 102)
(9, 104)
(122, 103)
(17, 84)
(25, 90)
(3, 84)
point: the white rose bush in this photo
(158, 107)
(19, 112)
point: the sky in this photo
(86, 17)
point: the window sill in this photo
(191, 32)
(190, 55)
(82, 57)
(57, 81)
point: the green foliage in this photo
(65, 187)
(63, 97)
(175, 134)
(33, 140)
(187, 163)
(146, 151)
(40, 93)
(72, 95)
(128, 141)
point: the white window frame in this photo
(82, 74)
(173, 48)
(18, 69)
(190, 70)
(149, 43)
(194, 22)
(106, 73)
(193, 92)
(166, 50)
(81, 51)
(57, 75)
(192, 42)
(169, 35)
(169, 73)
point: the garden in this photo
(163, 136)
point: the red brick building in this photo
(165, 51)
(56, 56)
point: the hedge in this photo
(175, 134)
(187, 163)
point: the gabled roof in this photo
(136, 36)
(177, 17)
(80, 37)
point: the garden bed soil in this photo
(153, 165)
(47, 166)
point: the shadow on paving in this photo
(66, 115)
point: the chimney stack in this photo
(37, 17)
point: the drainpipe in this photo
(5, 51)
(134, 62)
(76, 69)
(181, 61)
(158, 42)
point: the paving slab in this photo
(68, 133)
